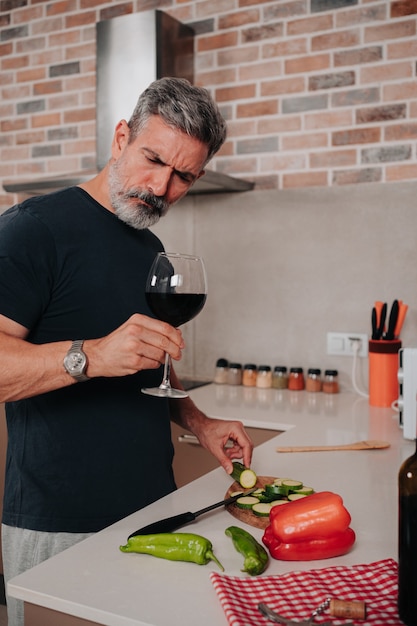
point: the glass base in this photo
(165, 392)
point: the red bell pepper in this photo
(322, 548)
(314, 527)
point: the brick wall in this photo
(316, 92)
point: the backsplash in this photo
(316, 93)
(286, 267)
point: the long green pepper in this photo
(174, 546)
(255, 556)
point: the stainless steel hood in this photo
(132, 51)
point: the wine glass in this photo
(176, 290)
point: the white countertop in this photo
(95, 581)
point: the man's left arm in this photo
(212, 433)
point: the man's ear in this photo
(120, 138)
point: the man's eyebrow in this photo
(184, 174)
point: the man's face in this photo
(152, 172)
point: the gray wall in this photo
(286, 267)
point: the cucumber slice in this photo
(272, 490)
(292, 484)
(236, 493)
(246, 502)
(307, 491)
(244, 475)
(296, 496)
(278, 502)
(262, 509)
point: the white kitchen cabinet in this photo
(192, 461)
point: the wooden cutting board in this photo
(244, 515)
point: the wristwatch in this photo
(75, 361)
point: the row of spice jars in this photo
(264, 377)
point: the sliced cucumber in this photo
(262, 509)
(278, 502)
(244, 475)
(296, 496)
(272, 490)
(292, 484)
(247, 502)
(307, 491)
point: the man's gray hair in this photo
(183, 106)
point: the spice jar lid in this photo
(235, 366)
(296, 370)
(264, 368)
(314, 371)
(250, 366)
(331, 372)
(222, 363)
(280, 368)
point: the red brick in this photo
(280, 124)
(361, 15)
(215, 42)
(304, 141)
(257, 109)
(79, 115)
(62, 6)
(310, 63)
(335, 40)
(31, 74)
(30, 137)
(218, 77)
(400, 91)
(402, 49)
(51, 86)
(391, 30)
(385, 72)
(285, 48)
(356, 136)
(283, 86)
(239, 92)
(294, 161)
(259, 70)
(310, 25)
(331, 119)
(80, 19)
(45, 119)
(401, 172)
(238, 56)
(399, 8)
(238, 18)
(333, 158)
(302, 179)
(399, 132)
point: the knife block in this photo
(383, 372)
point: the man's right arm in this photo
(28, 369)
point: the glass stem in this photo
(166, 384)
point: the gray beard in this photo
(128, 204)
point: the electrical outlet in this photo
(344, 344)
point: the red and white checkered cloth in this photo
(296, 595)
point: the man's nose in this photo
(160, 182)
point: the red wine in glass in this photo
(176, 291)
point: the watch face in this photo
(75, 362)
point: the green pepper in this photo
(174, 546)
(256, 557)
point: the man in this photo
(77, 340)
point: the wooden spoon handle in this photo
(359, 445)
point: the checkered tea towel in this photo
(296, 595)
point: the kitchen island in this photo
(94, 583)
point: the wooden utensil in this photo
(371, 444)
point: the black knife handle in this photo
(167, 525)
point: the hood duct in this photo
(132, 51)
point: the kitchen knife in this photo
(389, 335)
(170, 524)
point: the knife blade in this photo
(169, 524)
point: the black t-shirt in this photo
(81, 457)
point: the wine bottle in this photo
(407, 541)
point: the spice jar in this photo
(313, 382)
(279, 377)
(249, 375)
(221, 372)
(264, 377)
(234, 376)
(296, 379)
(331, 382)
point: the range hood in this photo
(132, 51)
